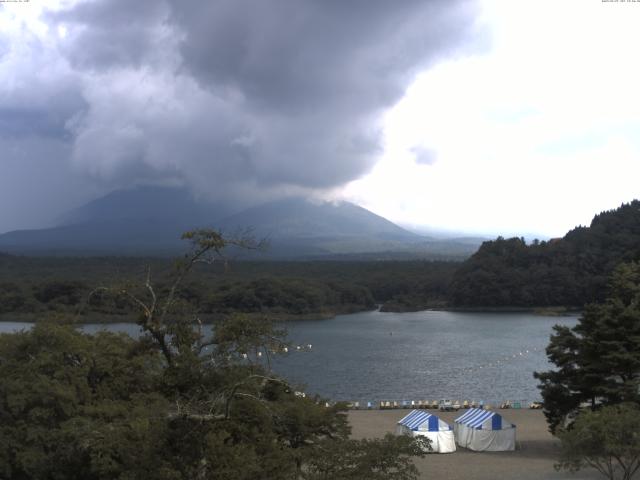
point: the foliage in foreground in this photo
(598, 360)
(174, 404)
(389, 457)
(607, 440)
(104, 406)
(79, 406)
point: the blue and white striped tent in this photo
(484, 430)
(425, 424)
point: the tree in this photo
(11, 297)
(156, 319)
(598, 360)
(568, 271)
(77, 406)
(376, 459)
(175, 404)
(607, 440)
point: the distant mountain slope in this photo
(146, 202)
(298, 218)
(150, 220)
(117, 237)
(143, 220)
(339, 230)
(570, 271)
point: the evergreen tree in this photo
(598, 360)
(569, 271)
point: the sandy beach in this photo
(534, 458)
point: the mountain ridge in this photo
(295, 218)
(150, 221)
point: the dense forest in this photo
(569, 271)
(504, 273)
(37, 285)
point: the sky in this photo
(477, 116)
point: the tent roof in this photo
(416, 418)
(482, 420)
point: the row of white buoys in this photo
(503, 360)
(283, 350)
(298, 348)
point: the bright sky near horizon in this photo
(534, 136)
(532, 127)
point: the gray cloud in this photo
(113, 33)
(235, 98)
(40, 109)
(424, 156)
(4, 45)
(315, 76)
(292, 55)
(39, 94)
(15, 122)
(35, 184)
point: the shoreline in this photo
(290, 317)
(557, 311)
(207, 319)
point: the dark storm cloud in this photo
(235, 98)
(39, 117)
(296, 55)
(38, 94)
(315, 76)
(35, 186)
(18, 122)
(113, 33)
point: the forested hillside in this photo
(570, 271)
(566, 272)
(33, 286)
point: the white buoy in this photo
(285, 349)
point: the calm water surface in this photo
(375, 356)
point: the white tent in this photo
(424, 424)
(484, 431)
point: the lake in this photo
(428, 355)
